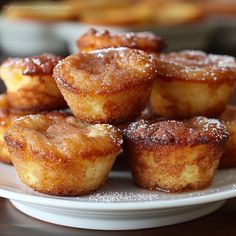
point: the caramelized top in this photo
(196, 65)
(36, 65)
(198, 130)
(146, 41)
(51, 134)
(105, 71)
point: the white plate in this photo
(118, 205)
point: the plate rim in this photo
(117, 206)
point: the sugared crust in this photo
(7, 117)
(105, 71)
(146, 41)
(196, 66)
(30, 85)
(63, 136)
(195, 131)
(36, 65)
(175, 156)
(58, 155)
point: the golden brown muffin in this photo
(109, 85)
(30, 85)
(228, 158)
(59, 156)
(175, 156)
(191, 83)
(145, 41)
(7, 117)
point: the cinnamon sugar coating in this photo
(192, 83)
(30, 85)
(71, 158)
(108, 85)
(145, 41)
(42, 64)
(198, 130)
(196, 66)
(175, 156)
(7, 117)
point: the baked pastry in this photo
(30, 85)
(59, 156)
(228, 118)
(7, 117)
(145, 41)
(175, 156)
(108, 85)
(191, 83)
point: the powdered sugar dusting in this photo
(106, 70)
(122, 197)
(41, 64)
(196, 65)
(193, 131)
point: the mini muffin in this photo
(191, 83)
(175, 156)
(108, 85)
(7, 117)
(145, 41)
(228, 118)
(30, 85)
(60, 156)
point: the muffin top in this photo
(105, 71)
(198, 130)
(60, 138)
(36, 65)
(196, 65)
(145, 41)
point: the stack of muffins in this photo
(175, 145)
